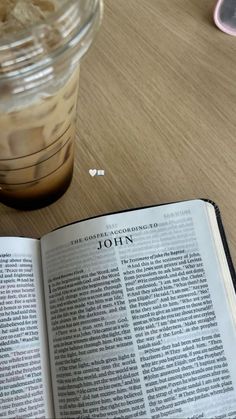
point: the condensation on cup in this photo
(39, 81)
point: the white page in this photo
(180, 337)
(25, 387)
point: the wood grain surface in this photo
(157, 112)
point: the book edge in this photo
(224, 240)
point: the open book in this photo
(124, 315)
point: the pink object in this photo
(225, 16)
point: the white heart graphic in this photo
(92, 172)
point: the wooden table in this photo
(157, 112)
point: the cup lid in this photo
(71, 28)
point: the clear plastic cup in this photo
(39, 81)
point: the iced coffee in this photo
(36, 148)
(37, 128)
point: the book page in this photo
(25, 386)
(139, 320)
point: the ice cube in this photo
(26, 141)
